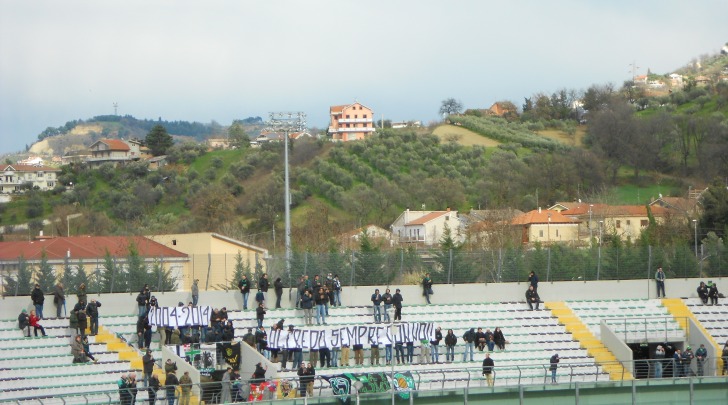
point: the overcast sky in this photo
(223, 60)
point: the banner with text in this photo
(365, 335)
(179, 316)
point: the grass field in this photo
(563, 137)
(465, 137)
(634, 195)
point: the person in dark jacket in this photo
(377, 306)
(450, 341)
(147, 367)
(142, 302)
(469, 338)
(554, 364)
(397, 302)
(244, 287)
(38, 299)
(171, 387)
(59, 298)
(24, 322)
(499, 339)
(153, 388)
(263, 285)
(307, 305)
(259, 374)
(92, 313)
(533, 280)
(87, 349)
(278, 286)
(81, 293)
(435, 344)
(488, 369)
(321, 299)
(260, 314)
(427, 287)
(713, 293)
(703, 292)
(480, 339)
(532, 298)
(82, 321)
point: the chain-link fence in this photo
(403, 266)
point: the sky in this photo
(223, 60)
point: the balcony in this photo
(355, 130)
(354, 120)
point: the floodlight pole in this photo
(287, 122)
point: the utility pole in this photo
(287, 123)
(116, 105)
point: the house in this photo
(483, 227)
(76, 156)
(546, 227)
(425, 227)
(218, 143)
(689, 207)
(90, 252)
(676, 80)
(352, 238)
(503, 109)
(32, 161)
(350, 122)
(18, 177)
(157, 162)
(213, 257)
(114, 151)
(625, 221)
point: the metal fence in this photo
(401, 266)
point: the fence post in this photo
(548, 264)
(401, 262)
(449, 266)
(353, 269)
(649, 268)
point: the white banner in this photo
(366, 335)
(179, 316)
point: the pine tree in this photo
(161, 278)
(81, 277)
(240, 270)
(136, 270)
(112, 277)
(452, 261)
(45, 275)
(158, 140)
(21, 283)
(67, 278)
(370, 263)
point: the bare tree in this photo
(451, 106)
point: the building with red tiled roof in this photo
(114, 151)
(90, 252)
(425, 227)
(19, 177)
(350, 122)
(546, 226)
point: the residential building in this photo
(352, 239)
(624, 221)
(688, 207)
(90, 252)
(18, 177)
(114, 151)
(213, 257)
(351, 122)
(426, 227)
(546, 227)
(218, 143)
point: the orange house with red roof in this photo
(352, 122)
(546, 227)
(114, 151)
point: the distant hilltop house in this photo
(115, 151)
(676, 80)
(32, 161)
(352, 239)
(425, 227)
(351, 122)
(18, 177)
(218, 143)
(406, 124)
(266, 137)
(546, 227)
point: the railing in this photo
(568, 376)
(664, 328)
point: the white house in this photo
(425, 227)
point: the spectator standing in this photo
(660, 281)
(724, 355)
(38, 298)
(321, 300)
(92, 313)
(700, 355)
(388, 353)
(300, 289)
(153, 389)
(410, 351)
(554, 365)
(325, 356)
(185, 384)
(469, 339)
(387, 301)
(307, 305)
(337, 290)
(24, 322)
(195, 292)
(310, 377)
(142, 302)
(82, 321)
(171, 384)
(488, 369)
(244, 287)
(147, 367)
(687, 358)
(33, 320)
(659, 359)
(278, 287)
(263, 285)
(59, 298)
(329, 284)
(425, 353)
(399, 352)
(345, 354)
(397, 302)
(532, 298)
(260, 314)
(427, 287)
(450, 341)
(123, 392)
(677, 364)
(435, 344)
(713, 293)
(358, 354)
(81, 293)
(376, 305)
(533, 280)
(374, 352)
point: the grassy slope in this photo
(465, 137)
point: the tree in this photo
(136, 270)
(111, 278)
(450, 106)
(237, 136)
(80, 277)
(162, 278)
(45, 276)
(241, 269)
(370, 263)
(451, 263)
(67, 278)
(21, 283)
(158, 140)
(715, 209)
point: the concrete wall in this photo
(125, 304)
(697, 337)
(617, 346)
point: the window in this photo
(644, 223)
(618, 224)
(50, 184)
(629, 222)
(356, 115)
(540, 233)
(557, 233)
(365, 116)
(347, 115)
